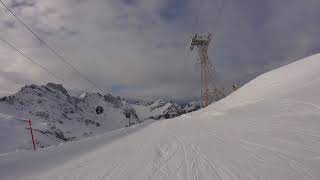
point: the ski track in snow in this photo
(294, 164)
(180, 160)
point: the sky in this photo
(140, 48)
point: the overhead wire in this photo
(42, 42)
(30, 59)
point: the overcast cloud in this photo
(140, 48)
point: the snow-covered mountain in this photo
(191, 106)
(158, 110)
(161, 109)
(268, 129)
(57, 116)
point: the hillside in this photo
(268, 129)
(57, 117)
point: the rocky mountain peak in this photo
(58, 87)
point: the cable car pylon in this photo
(209, 92)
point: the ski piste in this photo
(268, 129)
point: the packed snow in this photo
(268, 129)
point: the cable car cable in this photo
(42, 42)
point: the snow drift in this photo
(269, 129)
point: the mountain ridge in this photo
(59, 117)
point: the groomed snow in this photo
(268, 129)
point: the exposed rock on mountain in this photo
(59, 117)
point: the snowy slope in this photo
(57, 117)
(268, 129)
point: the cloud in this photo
(21, 4)
(140, 47)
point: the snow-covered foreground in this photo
(269, 129)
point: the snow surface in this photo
(268, 129)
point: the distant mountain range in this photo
(58, 117)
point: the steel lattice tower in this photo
(208, 93)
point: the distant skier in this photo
(234, 87)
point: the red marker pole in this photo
(31, 132)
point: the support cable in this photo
(30, 59)
(42, 42)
